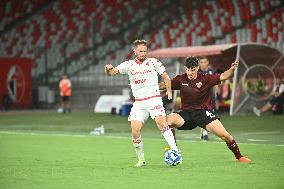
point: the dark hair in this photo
(191, 62)
(203, 57)
(139, 42)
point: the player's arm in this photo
(162, 86)
(110, 70)
(167, 83)
(230, 72)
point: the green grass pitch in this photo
(50, 150)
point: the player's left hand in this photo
(235, 64)
(169, 94)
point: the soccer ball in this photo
(60, 110)
(173, 157)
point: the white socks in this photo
(204, 132)
(139, 148)
(168, 135)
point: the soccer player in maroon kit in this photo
(196, 103)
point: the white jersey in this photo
(143, 76)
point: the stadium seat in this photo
(74, 25)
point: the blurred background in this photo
(41, 40)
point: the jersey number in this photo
(209, 114)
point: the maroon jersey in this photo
(195, 94)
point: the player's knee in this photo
(171, 119)
(161, 121)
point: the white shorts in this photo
(141, 109)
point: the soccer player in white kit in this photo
(143, 76)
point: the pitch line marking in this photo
(109, 136)
(261, 133)
(256, 140)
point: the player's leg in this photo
(266, 107)
(65, 106)
(68, 105)
(157, 112)
(263, 109)
(137, 117)
(174, 120)
(137, 142)
(63, 103)
(203, 134)
(166, 131)
(217, 128)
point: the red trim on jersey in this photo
(141, 99)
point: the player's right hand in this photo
(169, 94)
(108, 67)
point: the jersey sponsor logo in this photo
(210, 114)
(158, 107)
(133, 72)
(140, 81)
(198, 85)
(184, 84)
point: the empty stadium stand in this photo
(80, 37)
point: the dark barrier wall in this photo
(15, 83)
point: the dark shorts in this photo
(197, 118)
(65, 98)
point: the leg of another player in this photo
(161, 122)
(68, 106)
(137, 142)
(217, 128)
(266, 107)
(204, 135)
(65, 106)
(263, 109)
(62, 104)
(174, 120)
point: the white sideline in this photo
(118, 137)
(261, 133)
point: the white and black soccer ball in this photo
(173, 157)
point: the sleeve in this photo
(159, 67)
(123, 67)
(213, 79)
(175, 82)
